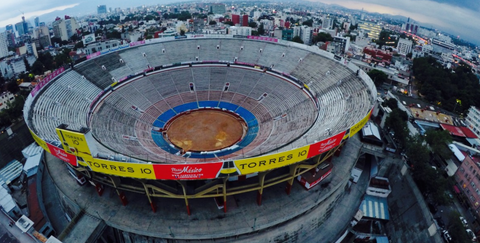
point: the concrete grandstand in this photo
(108, 117)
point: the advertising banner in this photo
(40, 142)
(269, 162)
(357, 127)
(45, 80)
(134, 170)
(96, 54)
(61, 154)
(74, 142)
(137, 43)
(187, 171)
(325, 145)
(262, 38)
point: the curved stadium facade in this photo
(111, 118)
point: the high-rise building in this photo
(37, 21)
(101, 9)
(218, 8)
(9, 28)
(404, 46)
(235, 19)
(64, 28)
(244, 20)
(327, 23)
(19, 28)
(3, 44)
(304, 32)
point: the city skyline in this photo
(457, 18)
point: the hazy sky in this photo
(457, 17)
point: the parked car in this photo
(464, 222)
(446, 236)
(471, 235)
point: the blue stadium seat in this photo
(212, 104)
(186, 107)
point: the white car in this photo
(471, 235)
(446, 236)
(464, 222)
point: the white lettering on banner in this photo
(186, 170)
(332, 142)
(187, 173)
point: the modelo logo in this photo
(186, 170)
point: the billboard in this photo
(88, 39)
(74, 142)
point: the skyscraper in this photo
(64, 29)
(101, 9)
(3, 44)
(19, 28)
(37, 21)
(9, 28)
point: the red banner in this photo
(325, 145)
(187, 171)
(61, 154)
(252, 37)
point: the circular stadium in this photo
(200, 117)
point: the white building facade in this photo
(473, 120)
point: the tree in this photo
(37, 68)
(397, 122)
(438, 141)
(56, 40)
(391, 103)
(308, 22)
(79, 45)
(182, 32)
(297, 39)
(261, 29)
(353, 27)
(252, 24)
(456, 229)
(378, 76)
(229, 23)
(322, 37)
(27, 65)
(212, 22)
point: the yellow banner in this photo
(269, 162)
(74, 142)
(357, 127)
(134, 170)
(40, 142)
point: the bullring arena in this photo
(207, 125)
